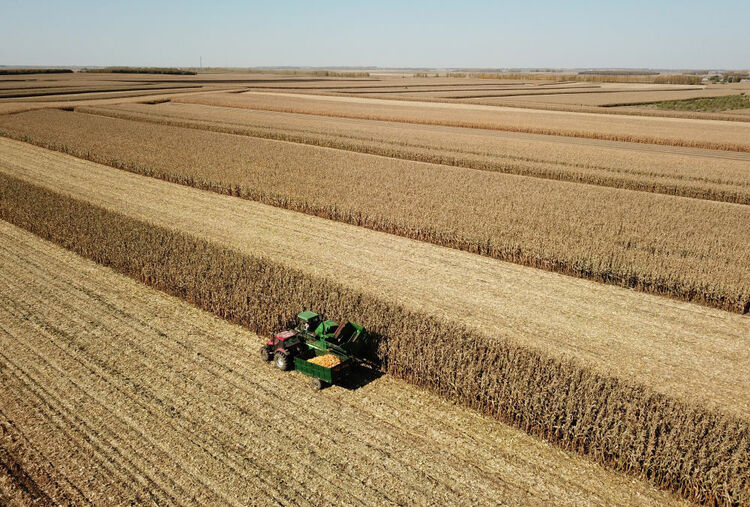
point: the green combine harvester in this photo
(322, 349)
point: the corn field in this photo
(699, 453)
(683, 248)
(719, 178)
(607, 128)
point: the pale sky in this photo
(648, 34)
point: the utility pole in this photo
(201, 63)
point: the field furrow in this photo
(27, 475)
(683, 248)
(87, 352)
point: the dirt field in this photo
(111, 392)
(689, 352)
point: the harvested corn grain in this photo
(327, 360)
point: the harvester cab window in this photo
(307, 324)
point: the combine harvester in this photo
(321, 349)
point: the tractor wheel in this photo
(282, 361)
(318, 384)
(265, 354)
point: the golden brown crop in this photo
(666, 131)
(701, 174)
(684, 248)
(597, 77)
(699, 453)
(562, 105)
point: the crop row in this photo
(701, 454)
(700, 177)
(576, 100)
(598, 77)
(664, 131)
(525, 102)
(611, 98)
(683, 248)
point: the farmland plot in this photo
(544, 313)
(651, 130)
(684, 248)
(703, 174)
(609, 97)
(111, 392)
(645, 385)
(606, 357)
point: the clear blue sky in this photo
(663, 34)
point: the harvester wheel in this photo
(282, 361)
(265, 354)
(318, 384)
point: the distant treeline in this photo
(12, 72)
(309, 72)
(622, 77)
(285, 71)
(144, 70)
(617, 73)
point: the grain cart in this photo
(321, 349)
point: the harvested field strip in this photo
(350, 85)
(82, 91)
(496, 355)
(604, 97)
(532, 93)
(702, 174)
(683, 248)
(87, 352)
(522, 90)
(12, 84)
(534, 104)
(74, 96)
(667, 131)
